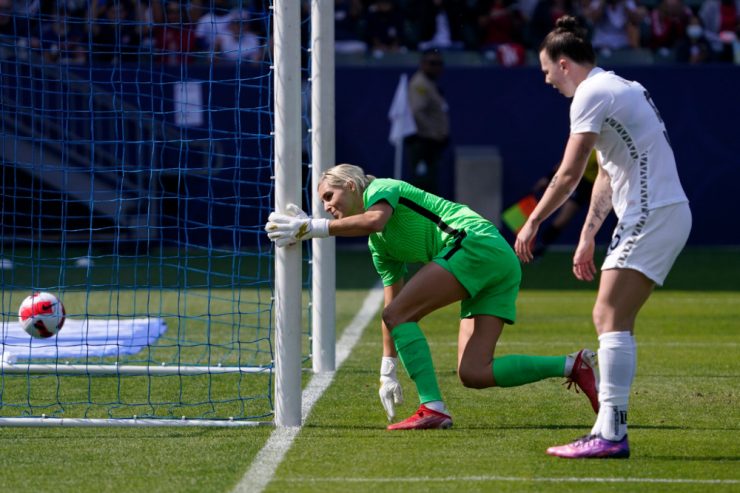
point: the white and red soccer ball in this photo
(42, 315)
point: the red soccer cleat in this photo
(585, 377)
(424, 419)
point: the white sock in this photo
(570, 360)
(438, 406)
(617, 360)
(634, 367)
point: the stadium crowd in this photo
(504, 31)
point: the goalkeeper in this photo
(466, 260)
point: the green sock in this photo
(520, 369)
(414, 353)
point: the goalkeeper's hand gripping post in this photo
(294, 226)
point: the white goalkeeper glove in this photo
(293, 226)
(390, 390)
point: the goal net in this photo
(138, 149)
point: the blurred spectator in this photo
(8, 25)
(173, 39)
(616, 24)
(502, 31)
(212, 23)
(115, 33)
(26, 7)
(384, 28)
(720, 19)
(347, 19)
(527, 7)
(543, 17)
(120, 30)
(148, 14)
(64, 39)
(19, 32)
(668, 22)
(240, 42)
(441, 23)
(425, 149)
(694, 48)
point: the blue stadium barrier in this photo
(510, 108)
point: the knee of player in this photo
(393, 317)
(472, 378)
(390, 318)
(606, 319)
(599, 316)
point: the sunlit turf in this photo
(684, 414)
(684, 419)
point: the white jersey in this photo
(632, 145)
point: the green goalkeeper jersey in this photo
(422, 225)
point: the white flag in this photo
(402, 120)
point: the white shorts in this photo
(650, 242)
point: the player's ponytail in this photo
(569, 38)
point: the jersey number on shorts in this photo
(615, 239)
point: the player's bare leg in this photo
(622, 292)
(476, 344)
(430, 289)
(477, 367)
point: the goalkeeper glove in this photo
(390, 389)
(293, 226)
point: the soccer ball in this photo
(42, 315)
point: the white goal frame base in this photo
(136, 370)
(115, 369)
(128, 422)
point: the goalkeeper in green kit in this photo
(466, 260)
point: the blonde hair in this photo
(342, 174)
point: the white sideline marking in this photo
(269, 458)
(510, 479)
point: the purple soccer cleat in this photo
(592, 447)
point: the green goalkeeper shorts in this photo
(487, 267)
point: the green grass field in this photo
(684, 417)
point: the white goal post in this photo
(288, 190)
(323, 262)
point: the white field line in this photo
(511, 479)
(269, 458)
(577, 344)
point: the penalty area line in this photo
(268, 459)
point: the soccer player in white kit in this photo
(638, 179)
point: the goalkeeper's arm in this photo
(294, 225)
